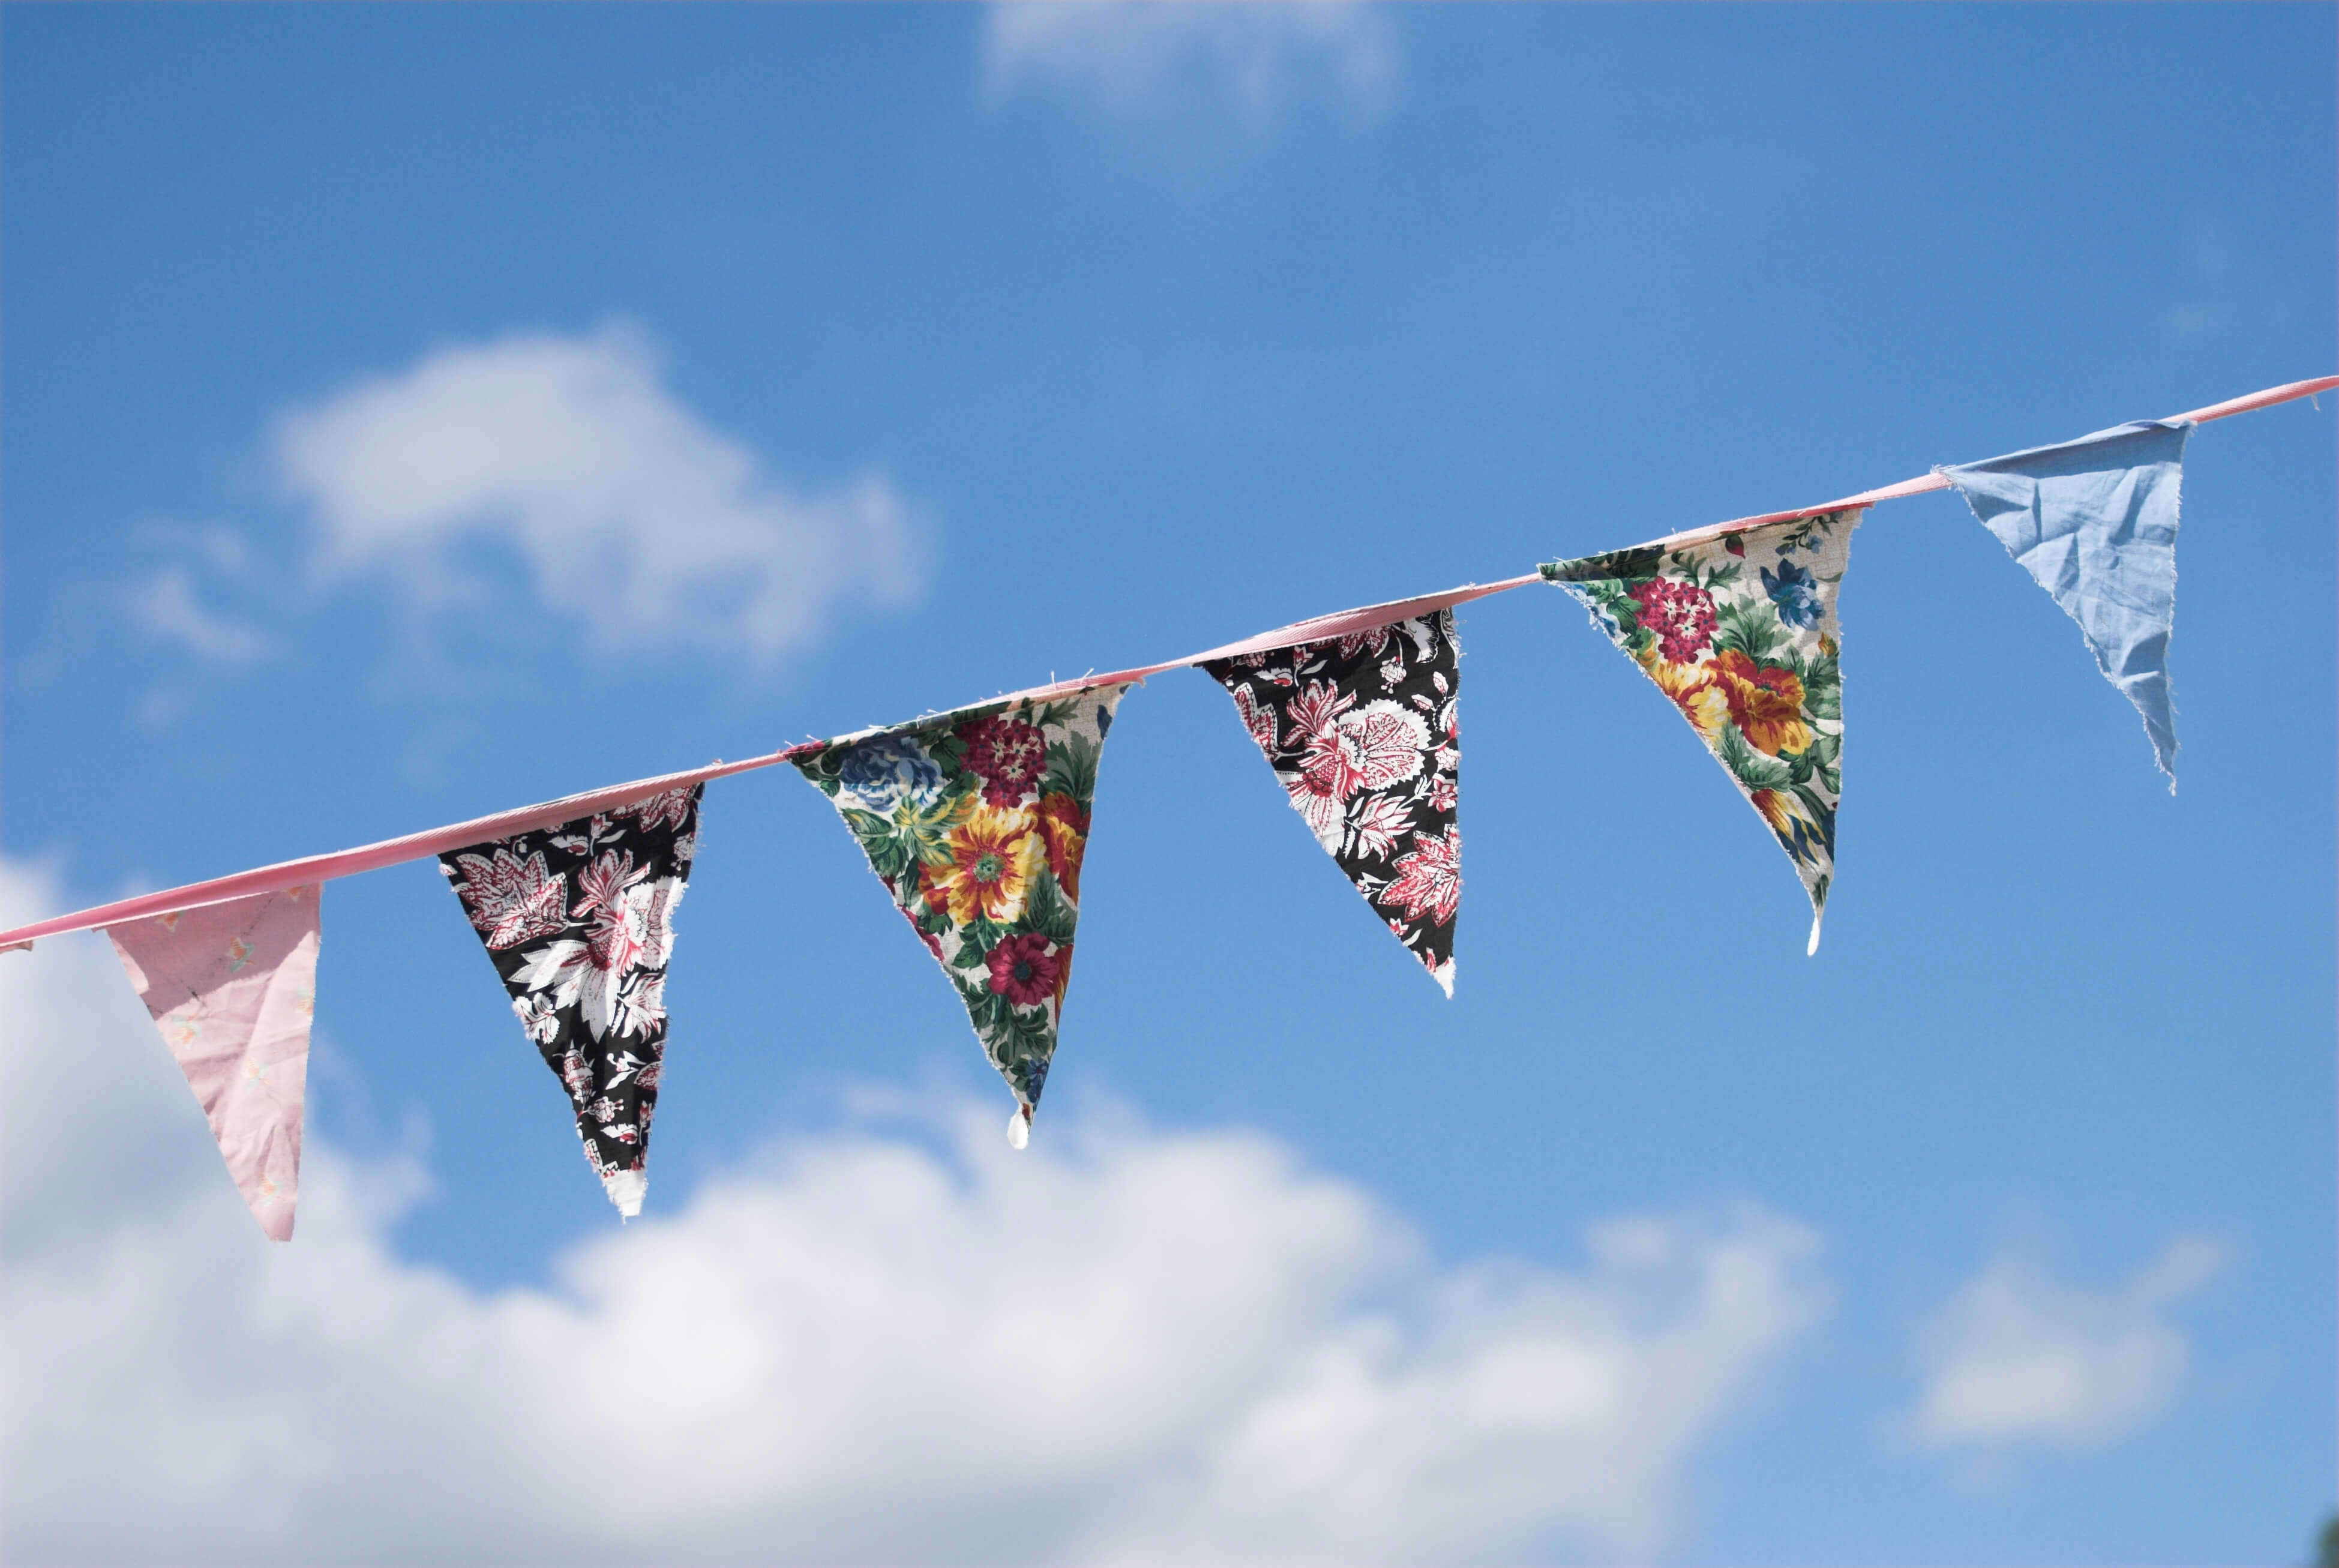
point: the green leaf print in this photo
(1752, 631)
(1046, 911)
(1071, 768)
(1747, 765)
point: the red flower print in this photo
(1375, 825)
(1024, 970)
(1681, 614)
(1064, 824)
(511, 900)
(673, 807)
(617, 935)
(1766, 703)
(1429, 880)
(1312, 712)
(1007, 755)
(1377, 746)
(1258, 718)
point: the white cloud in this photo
(2020, 1355)
(1135, 60)
(1122, 1345)
(634, 519)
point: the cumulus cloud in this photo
(1137, 60)
(630, 514)
(2021, 1356)
(876, 1345)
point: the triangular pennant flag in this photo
(578, 920)
(976, 821)
(233, 987)
(1364, 731)
(1740, 632)
(2094, 521)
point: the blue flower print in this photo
(1795, 593)
(883, 772)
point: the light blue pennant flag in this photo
(2095, 522)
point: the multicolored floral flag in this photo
(1363, 731)
(1740, 632)
(578, 920)
(233, 987)
(976, 821)
(2094, 522)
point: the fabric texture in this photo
(977, 822)
(578, 921)
(2094, 522)
(1740, 632)
(232, 987)
(1364, 733)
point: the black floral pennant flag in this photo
(578, 920)
(977, 822)
(1363, 731)
(1741, 632)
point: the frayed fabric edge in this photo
(626, 1188)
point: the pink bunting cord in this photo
(2288, 392)
(522, 819)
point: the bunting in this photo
(1740, 632)
(977, 822)
(232, 987)
(578, 921)
(1364, 733)
(2094, 522)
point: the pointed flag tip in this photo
(1019, 1128)
(1812, 948)
(1444, 975)
(626, 1188)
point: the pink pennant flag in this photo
(232, 987)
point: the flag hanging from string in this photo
(2094, 522)
(1364, 733)
(232, 987)
(1741, 632)
(578, 921)
(977, 822)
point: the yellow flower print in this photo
(1691, 686)
(994, 856)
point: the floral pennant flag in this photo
(2094, 521)
(1740, 632)
(578, 920)
(976, 821)
(1364, 731)
(233, 987)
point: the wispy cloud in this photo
(1138, 62)
(2018, 1354)
(629, 516)
(165, 607)
(1120, 1345)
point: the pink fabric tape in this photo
(414, 846)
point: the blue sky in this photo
(926, 353)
